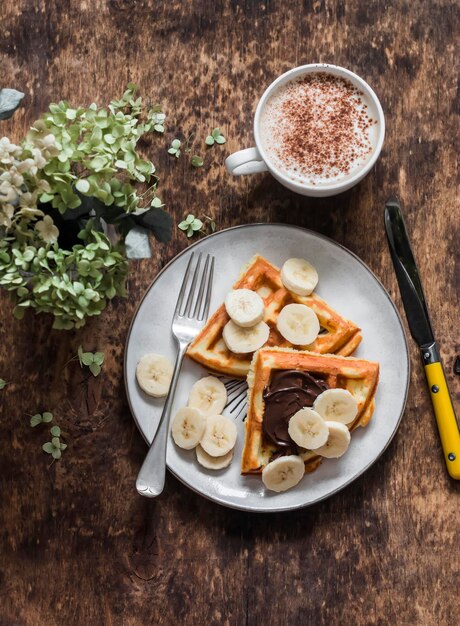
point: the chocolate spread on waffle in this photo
(288, 392)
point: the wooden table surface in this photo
(78, 545)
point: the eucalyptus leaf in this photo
(137, 243)
(159, 222)
(10, 99)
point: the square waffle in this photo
(358, 376)
(337, 335)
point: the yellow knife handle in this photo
(445, 417)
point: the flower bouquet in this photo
(76, 200)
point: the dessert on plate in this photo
(283, 382)
(217, 345)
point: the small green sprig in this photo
(92, 360)
(175, 148)
(55, 446)
(3, 384)
(215, 137)
(192, 225)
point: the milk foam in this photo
(277, 130)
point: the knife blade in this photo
(421, 330)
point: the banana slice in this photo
(244, 340)
(245, 307)
(283, 473)
(299, 276)
(308, 429)
(337, 443)
(188, 427)
(213, 462)
(154, 373)
(208, 395)
(336, 405)
(219, 435)
(298, 324)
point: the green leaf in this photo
(215, 133)
(56, 453)
(82, 185)
(220, 139)
(55, 431)
(99, 358)
(87, 358)
(47, 417)
(183, 225)
(95, 369)
(196, 225)
(190, 231)
(80, 354)
(63, 446)
(190, 218)
(156, 202)
(55, 441)
(209, 140)
(172, 150)
(35, 420)
(175, 143)
(3, 383)
(197, 161)
(48, 447)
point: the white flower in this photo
(8, 151)
(47, 230)
(7, 192)
(6, 213)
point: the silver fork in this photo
(187, 322)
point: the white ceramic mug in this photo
(254, 160)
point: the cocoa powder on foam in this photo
(324, 127)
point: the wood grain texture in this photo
(78, 546)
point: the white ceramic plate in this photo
(348, 286)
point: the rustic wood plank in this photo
(78, 545)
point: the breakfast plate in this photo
(348, 285)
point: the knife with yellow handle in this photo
(420, 327)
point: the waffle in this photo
(337, 335)
(358, 376)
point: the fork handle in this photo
(151, 478)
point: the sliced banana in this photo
(188, 427)
(243, 340)
(219, 435)
(336, 405)
(283, 473)
(154, 373)
(213, 462)
(299, 276)
(208, 395)
(245, 307)
(308, 429)
(337, 443)
(298, 324)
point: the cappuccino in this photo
(318, 129)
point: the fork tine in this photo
(188, 306)
(208, 293)
(180, 297)
(199, 298)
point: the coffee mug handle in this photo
(247, 161)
